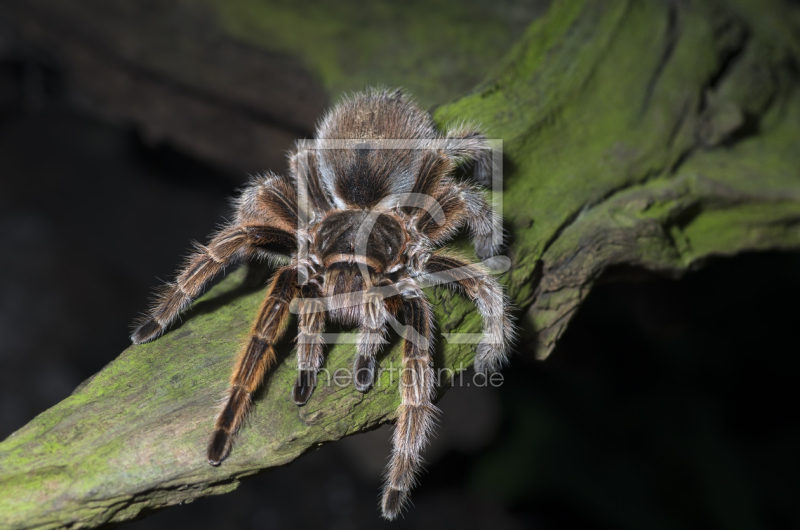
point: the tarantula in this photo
(360, 217)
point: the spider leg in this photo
(311, 322)
(269, 200)
(254, 360)
(470, 145)
(371, 337)
(229, 245)
(464, 203)
(493, 305)
(416, 413)
(305, 165)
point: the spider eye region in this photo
(361, 236)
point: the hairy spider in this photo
(359, 217)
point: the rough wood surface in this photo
(637, 136)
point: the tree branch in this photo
(636, 136)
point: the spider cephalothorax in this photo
(360, 219)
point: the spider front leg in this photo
(202, 265)
(228, 246)
(416, 414)
(311, 322)
(255, 359)
(380, 303)
(488, 296)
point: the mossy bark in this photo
(637, 136)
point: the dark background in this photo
(668, 404)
